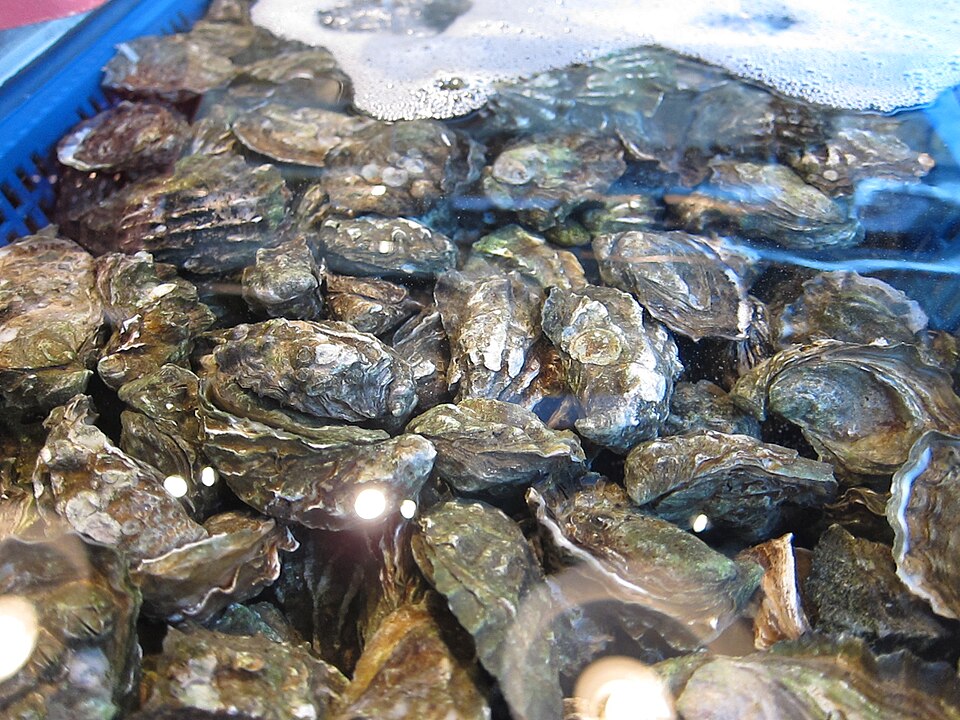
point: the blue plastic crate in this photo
(58, 90)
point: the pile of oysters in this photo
(308, 415)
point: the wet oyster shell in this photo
(85, 659)
(50, 323)
(860, 406)
(284, 282)
(489, 446)
(739, 483)
(766, 202)
(207, 675)
(924, 500)
(682, 280)
(210, 216)
(706, 406)
(389, 248)
(370, 305)
(130, 137)
(478, 559)
(259, 618)
(514, 249)
(154, 314)
(619, 365)
(326, 370)
(422, 342)
(544, 177)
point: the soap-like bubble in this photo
(865, 54)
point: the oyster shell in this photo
(737, 482)
(422, 342)
(766, 202)
(619, 365)
(706, 406)
(682, 280)
(478, 559)
(514, 249)
(860, 406)
(489, 446)
(260, 618)
(154, 314)
(50, 323)
(543, 178)
(924, 497)
(389, 248)
(284, 282)
(370, 305)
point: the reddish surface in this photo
(14, 13)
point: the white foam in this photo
(857, 54)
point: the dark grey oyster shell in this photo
(514, 249)
(130, 137)
(736, 482)
(285, 282)
(860, 406)
(478, 559)
(210, 216)
(371, 305)
(768, 203)
(172, 67)
(311, 65)
(154, 314)
(489, 446)
(208, 675)
(543, 178)
(50, 321)
(689, 592)
(391, 248)
(853, 588)
(706, 406)
(620, 213)
(848, 307)
(79, 603)
(684, 281)
(326, 370)
(422, 342)
(619, 365)
(259, 618)
(924, 500)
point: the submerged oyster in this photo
(422, 342)
(285, 282)
(925, 495)
(684, 281)
(514, 249)
(50, 320)
(495, 447)
(371, 305)
(860, 406)
(544, 177)
(620, 366)
(706, 406)
(768, 203)
(479, 560)
(737, 482)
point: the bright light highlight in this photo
(208, 476)
(621, 688)
(370, 503)
(175, 485)
(18, 631)
(700, 523)
(408, 508)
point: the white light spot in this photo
(175, 485)
(408, 508)
(384, 247)
(208, 476)
(622, 688)
(18, 630)
(700, 523)
(378, 190)
(370, 503)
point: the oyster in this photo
(422, 342)
(545, 177)
(76, 607)
(706, 406)
(478, 559)
(370, 305)
(860, 406)
(853, 588)
(619, 365)
(620, 213)
(206, 675)
(389, 248)
(766, 202)
(735, 481)
(514, 249)
(326, 370)
(285, 282)
(684, 281)
(924, 496)
(848, 307)
(170, 67)
(130, 137)
(688, 592)
(210, 216)
(489, 446)
(154, 315)
(50, 323)
(260, 618)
